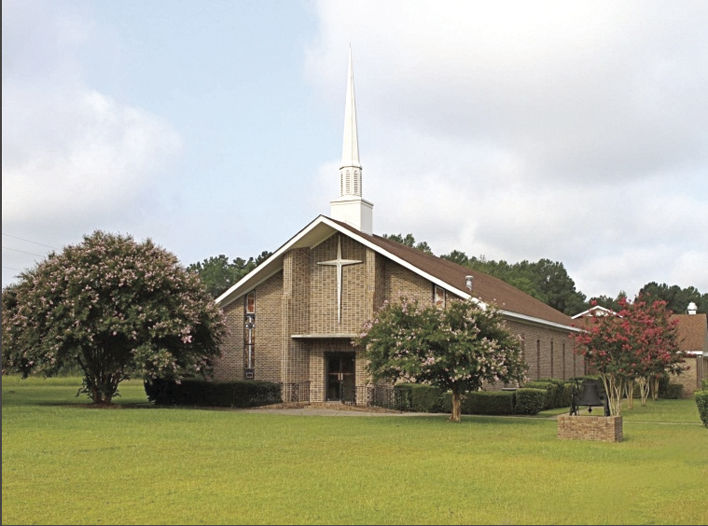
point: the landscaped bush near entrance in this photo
(705, 384)
(244, 393)
(558, 392)
(488, 403)
(702, 403)
(529, 401)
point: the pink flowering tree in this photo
(456, 349)
(116, 308)
(639, 344)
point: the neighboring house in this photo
(693, 342)
(292, 319)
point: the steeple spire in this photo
(350, 144)
(349, 206)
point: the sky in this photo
(573, 131)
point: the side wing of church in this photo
(292, 319)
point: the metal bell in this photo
(590, 394)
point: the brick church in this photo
(292, 319)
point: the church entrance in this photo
(340, 379)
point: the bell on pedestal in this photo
(589, 394)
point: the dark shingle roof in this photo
(692, 329)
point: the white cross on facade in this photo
(339, 263)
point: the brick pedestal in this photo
(604, 428)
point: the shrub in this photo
(702, 403)
(529, 401)
(663, 385)
(419, 398)
(673, 391)
(705, 384)
(241, 393)
(562, 392)
(550, 389)
(488, 403)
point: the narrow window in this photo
(564, 372)
(538, 359)
(551, 358)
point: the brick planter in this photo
(604, 428)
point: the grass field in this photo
(65, 463)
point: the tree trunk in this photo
(644, 389)
(455, 416)
(614, 389)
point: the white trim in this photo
(596, 307)
(321, 336)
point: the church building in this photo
(292, 319)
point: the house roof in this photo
(692, 331)
(513, 303)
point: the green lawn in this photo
(65, 463)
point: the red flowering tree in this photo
(638, 344)
(117, 309)
(456, 348)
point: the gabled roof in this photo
(513, 303)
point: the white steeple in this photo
(350, 144)
(349, 207)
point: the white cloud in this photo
(79, 153)
(74, 159)
(523, 130)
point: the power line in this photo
(23, 251)
(28, 240)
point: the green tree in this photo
(218, 274)
(117, 308)
(456, 349)
(676, 298)
(457, 256)
(409, 241)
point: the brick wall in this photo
(230, 365)
(603, 428)
(544, 351)
(400, 282)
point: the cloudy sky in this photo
(515, 130)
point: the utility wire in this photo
(23, 251)
(28, 240)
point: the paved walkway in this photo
(329, 410)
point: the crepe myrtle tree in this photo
(114, 307)
(456, 349)
(639, 344)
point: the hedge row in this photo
(427, 399)
(705, 384)
(702, 403)
(559, 393)
(244, 393)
